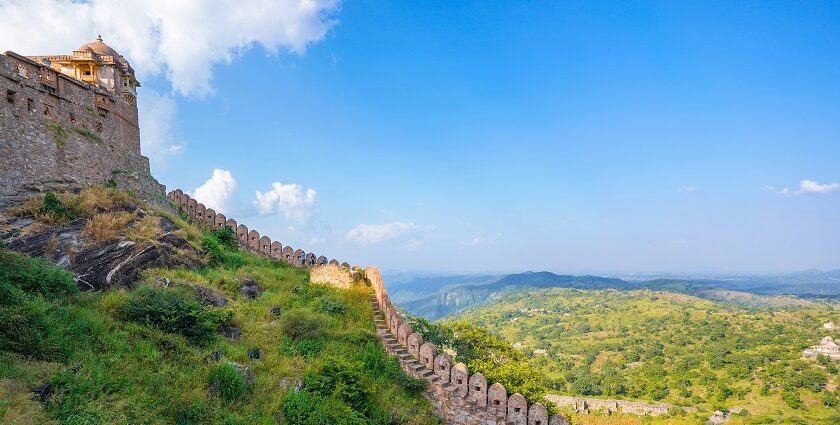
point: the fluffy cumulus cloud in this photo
(180, 39)
(810, 186)
(217, 192)
(806, 186)
(296, 204)
(157, 123)
(374, 233)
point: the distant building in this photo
(540, 352)
(827, 348)
(830, 326)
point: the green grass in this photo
(140, 356)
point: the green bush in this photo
(305, 408)
(219, 254)
(335, 389)
(33, 276)
(332, 305)
(171, 312)
(55, 209)
(226, 382)
(226, 237)
(301, 324)
(25, 331)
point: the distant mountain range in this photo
(434, 297)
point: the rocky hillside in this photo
(115, 311)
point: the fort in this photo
(460, 398)
(68, 121)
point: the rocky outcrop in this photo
(110, 264)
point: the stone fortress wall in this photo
(55, 129)
(249, 239)
(458, 397)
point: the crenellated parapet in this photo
(459, 397)
(249, 239)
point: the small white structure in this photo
(827, 348)
(830, 326)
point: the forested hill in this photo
(452, 299)
(446, 297)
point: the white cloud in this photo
(686, 189)
(374, 233)
(810, 186)
(180, 39)
(806, 186)
(157, 127)
(296, 204)
(217, 192)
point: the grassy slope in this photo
(703, 353)
(131, 373)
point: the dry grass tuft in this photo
(146, 230)
(106, 226)
(96, 199)
(31, 208)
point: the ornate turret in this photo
(99, 64)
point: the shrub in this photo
(171, 312)
(219, 254)
(106, 226)
(33, 276)
(301, 324)
(305, 408)
(54, 209)
(24, 331)
(226, 382)
(332, 306)
(225, 237)
(341, 380)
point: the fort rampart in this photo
(459, 397)
(57, 130)
(249, 239)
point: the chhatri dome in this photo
(100, 48)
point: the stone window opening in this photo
(10, 95)
(99, 127)
(538, 422)
(517, 409)
(478, 389)
(497, 402)
(459, 381)
(30, 105)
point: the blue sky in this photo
(576, 137)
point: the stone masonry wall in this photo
(55, 129)
(458, 397)
(249, 240)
